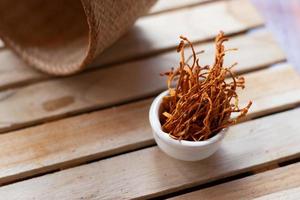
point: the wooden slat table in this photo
(88, 137)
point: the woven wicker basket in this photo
(61, 37)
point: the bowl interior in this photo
(154, 117)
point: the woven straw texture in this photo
(61, 37)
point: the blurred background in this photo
(283, 19)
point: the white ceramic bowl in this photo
(182, 150)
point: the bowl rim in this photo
(156, 126)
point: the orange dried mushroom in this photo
(203, 98)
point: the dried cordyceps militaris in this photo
(201, 103)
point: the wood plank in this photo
(265, 83)
(79, 139)
(168, 5)
(281, 182)
(15, 72)
(290, 194)
(150, 173)
(153, 34)
(104, 87)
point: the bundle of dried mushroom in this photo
(203, 98)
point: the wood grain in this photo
(98, 89)
(14, 72)
(168, 5)
(264, 84)
(153, 34)
(79, 139)
(290, 194)
(150, 173)
(282, 182)
(75, 140)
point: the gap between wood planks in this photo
(253, 156)
(136, 45)
(205, 185)
(195, 192)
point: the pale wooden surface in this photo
(167, 5)
(31, 104)
(282, 183)
(149, 172)
(290, 194)
(86, 137)
(104, 138)
(74, 140)
(15, 72)
(198, 23)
